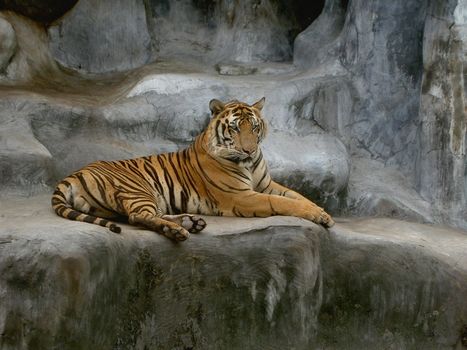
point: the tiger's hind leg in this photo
(144, 212)
(169, 229)
(191, 223)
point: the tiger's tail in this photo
(61, 206)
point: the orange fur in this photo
(222, 173)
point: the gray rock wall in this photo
(379, 47)
(102, 36)
(366, 75)
(366, 112)
(442, 135)
(406, 64)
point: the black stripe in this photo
(89, 219)
(263, 177)
(174, 169)
(66, 183)
(56, 201)
(171, 192)
(237, 212)
(217, 131)
(189, 171)
(113, 173)
(257, 161)
(139, 208)
(59, 193)
(152, 172)
(85, 186)
(115, 228)
(60, 210)
(206, 177)
(103, 194)
(73, 215)
(235, 188)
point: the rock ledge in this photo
(273, 283)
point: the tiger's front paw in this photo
(319, 216)
(326, 219)
(191, 223)
(175, 233)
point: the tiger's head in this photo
(235, 130)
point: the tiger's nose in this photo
(249, 151)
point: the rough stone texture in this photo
(253, 284)
(274, 283)
(369, 119)
(312, 46)
(378, 46)
(385, 50)
(443, 111)
(390, 284)
(357, 76)
(32, 59)
(375, 190)
(91, 36)
(7, 43)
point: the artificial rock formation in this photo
(366, 110)
(354, 89)
(443, 111)
(273, 283)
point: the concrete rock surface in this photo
(376, 85)
(273, 283)
(365, 103)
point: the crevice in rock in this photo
(41, 11)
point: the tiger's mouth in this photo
(238, 159)
(241, 157)
(233, 154)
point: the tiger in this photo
(222, 172)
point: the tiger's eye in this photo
(233, 126)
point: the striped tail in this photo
(62, 208)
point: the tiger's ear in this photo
(260, 104)
(216, 106)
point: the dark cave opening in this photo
(39, 10)
(302, 13)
